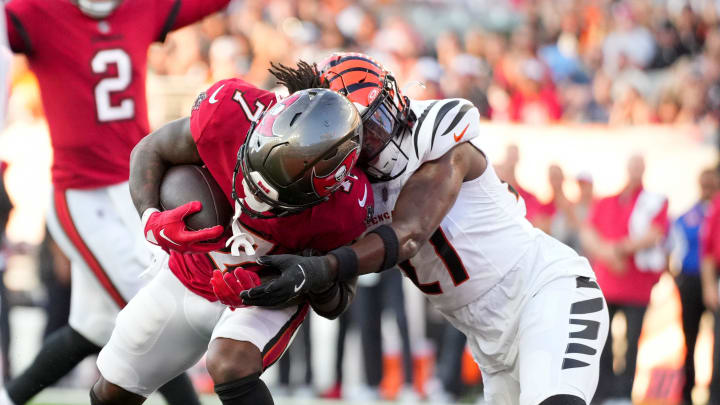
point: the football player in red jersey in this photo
(90, 59)
(288, 167)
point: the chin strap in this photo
(239, 238)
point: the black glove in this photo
(298, 276)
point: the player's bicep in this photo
(174, 143)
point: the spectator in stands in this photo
(560, 219)
(709, 267)
(506, 173)
(623, 239)
(684, 243)
(585, 201)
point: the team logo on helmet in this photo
(325, 185)
(373, 95)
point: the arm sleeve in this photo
(179, 13)
(17, 19)
(346, 290)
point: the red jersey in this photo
(92, 78)
(610, 218)
(710, 233)
(219, 123)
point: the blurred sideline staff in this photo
(623, 239)
(709, 267)
(684, 247)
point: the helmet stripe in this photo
(353, 69)
(358, 86)
(347, 58)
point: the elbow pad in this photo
(346, 290)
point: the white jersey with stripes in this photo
(484, 235)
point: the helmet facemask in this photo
(384, 128)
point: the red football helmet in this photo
(385, 112)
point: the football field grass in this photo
(57, 396)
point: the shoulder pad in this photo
(442, 124)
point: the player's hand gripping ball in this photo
(168, 230)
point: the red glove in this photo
(168, 230)
(228, 286)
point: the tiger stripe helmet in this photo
(385, 112)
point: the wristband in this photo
(146, 216)
(390, 241)
(347, 264)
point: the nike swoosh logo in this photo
(364, 199)
(458, 137)
(162, 233)
(213, 100)
(298, 287)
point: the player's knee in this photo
(230, 360)
(563, 400)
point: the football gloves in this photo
(168, 230)
(299, 275)
(228, 286)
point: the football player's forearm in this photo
(650, 239)
(171, 144)
(423, 203)
(192, 11)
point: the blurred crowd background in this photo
(570, 66)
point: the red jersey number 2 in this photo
(100, 64)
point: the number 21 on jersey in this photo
(100, 64)
(450, 259)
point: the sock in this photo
(60, 353)
(180, 391)
(5, 399)
(250, 390)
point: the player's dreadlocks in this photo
(304, 76)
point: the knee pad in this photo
(244, 391)
(563, 400)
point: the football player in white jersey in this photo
(535, 318)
